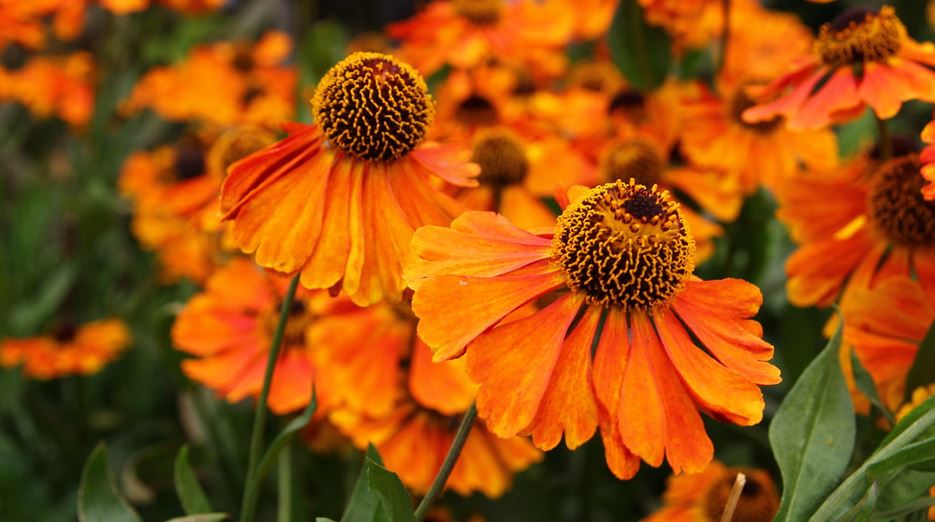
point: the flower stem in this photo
(733, 498)
(450, 460)
(248, 507)
(725, 35)
(884, 139)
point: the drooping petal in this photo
(442, 386)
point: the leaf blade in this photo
(98, 500)
(191, 495)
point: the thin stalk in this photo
(884, 139)
(450, 460)
(725, 35)
(248, 507)
(733, 498)
(284, 481)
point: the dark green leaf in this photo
(912, 454)
(812, 434)
(202, 517)
(922, 371)
(921, 504)
(641, 51)
(296, 424)
(98, 500)
(191, 496)
(28, 315)
(378, 494)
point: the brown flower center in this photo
(628, 103)
(480, 12)
(633, 159)
(758, 498)
(860, 35)
(624, 245)
(897, 206)
(236, 144)
(373, 106)
(189, 161)
(476, 111)
(501, 158)
(300, 318)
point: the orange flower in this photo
(414, 436)
(465, 33)
(257, 87)
(69, 351)
(862, 58)
(59, 86)
(228, 328)
(339, 200)
(857, 225)
(692, 23)
(24, 23)
(701, 497)
(185, 6)
(621, 255)
(757, 153)
(885, 326)
(927, 157)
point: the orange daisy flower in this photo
(927, 157)
(465, 33)
(885, 326)
(857, 225)
(51, 85)
(339, 200)
(862, 58)
(68, 351)
(228, 328)
(702, 497)
(764, 153)
(258, 88)
(414, 436)
(24, 23)
(621, 255)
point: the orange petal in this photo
(447, 163)
(291, 387)
(568, 404)
(480, 303)
(443, 386)
(514, 363)
(326, 265)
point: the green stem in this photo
(284, 482)
(725, 35)
(450, 460)
(251, 490)
(884, 139)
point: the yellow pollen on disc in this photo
(633, 159)
(300, 318)
(758, 498)
(897, 206)
(625, 245)
(480, 12)
(860, 35)
(501, 157)
(373, 106)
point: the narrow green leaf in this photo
(865, 384)
(98, 500)
(921, 504)
(378, 494)
(201, 517)
(922, 371)
(296, 424)
(915, 453)
(640, 50)
(812, 434)
(324, 519)
(191, 495)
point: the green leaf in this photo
(191, 495)
(921, 504)
(812, 434)
(201, 517)
(296, 424)
(866, 386)
(28, 316)
(378, 495)
(922, 371)
(912, 454)
(641, 51)
(98, 500)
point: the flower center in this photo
(897, 206)
(624, 245)
(629, 103)
(596, 77)
(476, 111)
(480, 12)
(740, 102)
(236, 144)
(373, 106)
(189, 162)
(65, 332)
(501, 158)
(758, 498)
(860, 35)
(300, 318)
(634, 159)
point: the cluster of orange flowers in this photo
(529, 238)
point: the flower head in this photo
(69, 350)
(621, 255)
